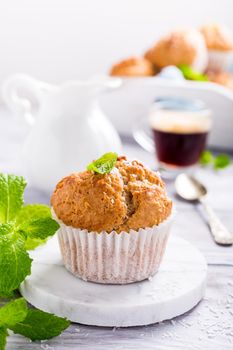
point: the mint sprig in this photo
(15, 263)
(22, 227)
(221, 161)
(34, 221)
(39, 325)
(11, 196)
(13, 312)
(104, 164)
(39, 228)
(206, 158)
(190, 74)
(32, 323)
(3, 336)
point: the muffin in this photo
(222, 78)
(133, 67)
(113, 226)
(219, 41)
(180, 47)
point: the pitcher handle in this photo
(143, 136)
(19, 105)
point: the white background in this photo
(57, 40)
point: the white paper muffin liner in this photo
(113, 258)
(220, 60)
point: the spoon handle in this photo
(219, 231)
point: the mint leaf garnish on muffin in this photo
(190, 74)
(104, 164)
(32, 323)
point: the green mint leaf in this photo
(15, 263)
(6, 229)
(27, 218)
(32, 243)
(221, 161)
(3, 336)
(11, 196)
(206, 158)
(38, 229)
(13, 312)
(32, 212)
(39, 325)
(191, 74)
(104, 164)
(7, 295)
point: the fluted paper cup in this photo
(220, 60)
(113, 258)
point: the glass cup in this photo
(177, 130)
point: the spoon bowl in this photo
(189, 188)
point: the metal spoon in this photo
(190, 189)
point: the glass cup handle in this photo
(142, 135)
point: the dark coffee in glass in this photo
(177, 149)
(180, 129)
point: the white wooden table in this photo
(207, 326)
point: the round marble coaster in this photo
(176, 288)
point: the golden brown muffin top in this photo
(133, 67)
(217, 37)
(178, 47)
(129, 197)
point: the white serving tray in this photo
(132, 100)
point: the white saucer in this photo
(176, 288)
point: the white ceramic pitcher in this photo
(68, 128)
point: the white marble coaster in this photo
(176, 288)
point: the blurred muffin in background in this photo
(219, 41)
(180, 47)
(133, 67)
(221, 77)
